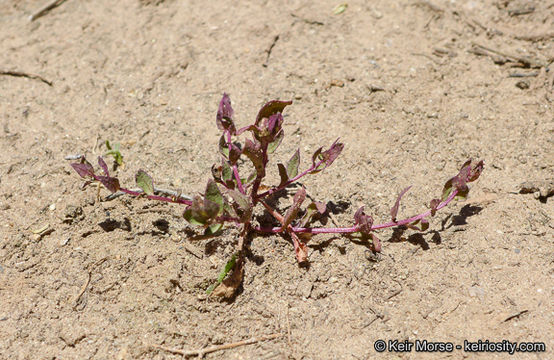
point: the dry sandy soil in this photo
(413, 88)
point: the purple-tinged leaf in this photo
(271, 108)
(111, 183)
(291, 213)
(191, 213)
(314, 208)
(433, 205)
(253, 150)
(326, 157)
(317, 156)
(459, 184)
(320, 207)
(394, 209)
(476, 171)
(234, 154)
(103, 165)
(364, 222)
(333, 153)
(292, 164)
(376, 243)
(300, 248)
(455, 184)
(85, 170)
(282, 174)
(224, 118)
(274, 123)
(201, 212)
(145, 182)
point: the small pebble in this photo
(52, 207)
(523, 85)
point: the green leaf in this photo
(213, 194)
(226, 171)
(114, 151)
(292, 164)
(189, 216)
(272, 146)
(145, 182)
(228, 267)
(223, 147)
(213, 229)
(241, 204)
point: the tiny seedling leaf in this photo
(114, 151)
(228, 267)
(145, 182)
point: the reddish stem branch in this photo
(353, 229)
(281, 187)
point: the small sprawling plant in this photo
(230, 198)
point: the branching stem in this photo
(353, 229)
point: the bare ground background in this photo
(413, 88)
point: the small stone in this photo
(523, 85)
(52, 207)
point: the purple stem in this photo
(235, 167)
(353, 229)
(278, 188)
(151, 197)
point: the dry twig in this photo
(201, 352)
(45, 9)
(25, 75)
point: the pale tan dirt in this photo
(149, 75)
